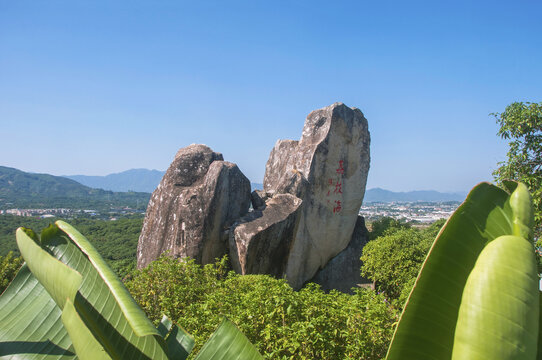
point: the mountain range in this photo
(19, 189)
(147, 180)
(141, 180)
(381, 195)
(132, 188)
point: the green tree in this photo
(393, 259)
(521, 125)
(115, 240)
(9, 265)
(380, 226)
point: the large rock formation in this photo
(190, 212)
(305, 217)
(326, 172)
(343, 271)
(328, 169)
(260, 242)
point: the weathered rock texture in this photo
(343, 271)
(260, 242)
(327, 169)
(303, 220)
(258, 198)
(190, 212)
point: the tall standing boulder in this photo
(327, 168)
(190, 211)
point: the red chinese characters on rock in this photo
(340, 170)
(338, 189)
(337, 208)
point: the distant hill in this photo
(381, 195)
(19, 189)
(142, 180)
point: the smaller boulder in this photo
(260, 241)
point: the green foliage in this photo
(66, 302)
(521, 125)
(8, 225)
(168, 286)
(115, 240)
(394, 258)
(433, 229)
(380, 226)
(281, 323)
(9, 265)
(477, 295)
(94, 316)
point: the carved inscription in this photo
(335, 188)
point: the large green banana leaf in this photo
(68, 289)
(476, 296)
(226, 343)
(30, 322)
(69, 268)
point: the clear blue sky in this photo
(96, 87)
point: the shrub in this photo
(281, 323)
(394, 258)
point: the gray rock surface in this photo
(328, 170)
(258, 198)
(293, 183)
(280, 166)
(189, 213)
(343, 271)
(260, 241)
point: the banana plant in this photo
(477, 294)
(66, 303)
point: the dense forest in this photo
(115, 240)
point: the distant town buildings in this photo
(71, 213)
(38, 212)
(422, 212)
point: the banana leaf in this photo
(66, 303)
(228, 343)
(476, 295)
(101, 315)
(30, 322)
(103, 303)
(179, 342)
